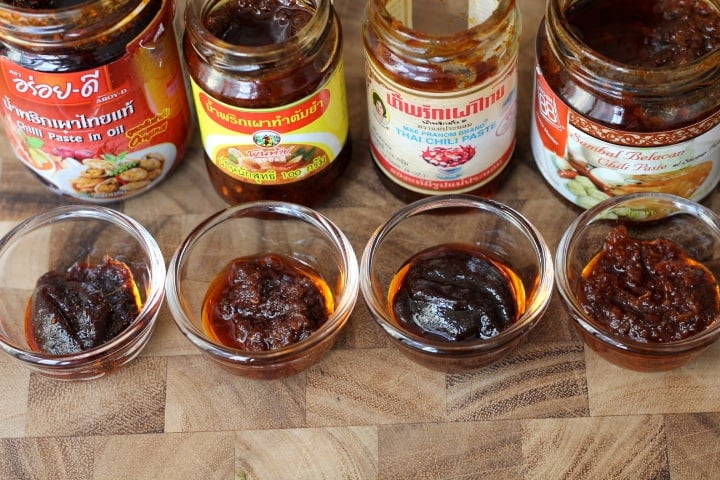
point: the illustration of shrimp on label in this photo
(272, 158)
(274, 146)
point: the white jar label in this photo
(441, 142)
(587, 162)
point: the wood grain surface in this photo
(551, 410)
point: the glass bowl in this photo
(57, 240)
(647, 216)
(256, 228)
(485, 224)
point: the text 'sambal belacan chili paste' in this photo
(269, 90)
(441, 93)
(627, 98)
(93, 97)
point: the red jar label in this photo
(105, 133)
(588, 162)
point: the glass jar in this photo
(441, 93)
(618, 109)
(94, 99)
(269, 90)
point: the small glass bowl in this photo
(465, 219)
(54, 241)
(647, 216)
(254, 228)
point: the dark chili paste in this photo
(650, 291)
(60, 55)
(265, 302)
(454, 293)
(647, 33)
(257, 23)
(74, 311)
(640, 36)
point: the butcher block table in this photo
(551, 410)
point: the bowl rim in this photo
(537, 304)
(156, 284)
(595, 214)
(288, 210)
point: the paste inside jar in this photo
(256, 23)
(44, 4)
(648, 290)
(647, 33)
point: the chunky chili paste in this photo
(82, 308)
(647, 33)
(649, 291)
(456, 293)
(265, 302)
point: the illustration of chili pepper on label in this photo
(448, 157)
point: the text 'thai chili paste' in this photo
(441, 93)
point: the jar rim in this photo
(76, 24)
(416, 41)
(244, 57)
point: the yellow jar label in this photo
(274, 146)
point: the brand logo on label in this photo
(551, 116)
(282, 121)
(266, 138)
(474, 107)
(53, 88)
(548, 108)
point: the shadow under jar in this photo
(269, 90)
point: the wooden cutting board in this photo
(551, 410)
